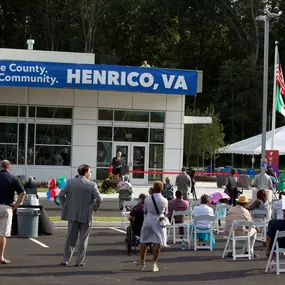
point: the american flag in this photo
(279, 76)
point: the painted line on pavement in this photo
(39, 243)
(120, 231)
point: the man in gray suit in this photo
(183, 183)
(79, 199)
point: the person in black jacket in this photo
(30, 185)
(117, 163)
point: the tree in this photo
(210, 137)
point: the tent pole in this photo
(232, 160)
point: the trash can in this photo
(28, 222)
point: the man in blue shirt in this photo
(9, 184)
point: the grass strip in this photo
(95, 219)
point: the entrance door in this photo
(135, 156)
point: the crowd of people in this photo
(149, 218)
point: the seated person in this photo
(30, 185)
(277, 212)
(240, 213)
(221, 212)
(125, 190)
(137, 215)
(273, 227)
(261, 203)
(178, 204)
(150, 190)
(202, 210)
(168, 189)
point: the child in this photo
(221, 212)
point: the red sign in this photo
(272, 157)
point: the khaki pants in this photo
(6, 216)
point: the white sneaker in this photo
(155, 267)
(140, 266)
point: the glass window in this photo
(53, 134)
(131, 134)
(23, 111)
(8, 133)
(132, 116)
(104, 133)
(53, 155)
(11, 111)
(156, 156)
(54, 112)
(31, 145)
(157, 117)
(104, 154)
(102, 173)
(8, 152)
(157, 135)
(106, 115)
(21, 153)
(32, 112)
(155, 177)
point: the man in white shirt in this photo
(202, 210)
(268, 182)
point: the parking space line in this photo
(120, 231)
(39, 243)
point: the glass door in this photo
(135, 156)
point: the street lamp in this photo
(265, 18)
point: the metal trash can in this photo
(28, 222)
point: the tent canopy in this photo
(252, 145)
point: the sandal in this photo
(5, 261)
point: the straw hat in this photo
(242, 199)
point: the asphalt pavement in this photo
(108, 263)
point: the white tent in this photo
(252, 145)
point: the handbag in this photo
(228, 188)
(163, 220)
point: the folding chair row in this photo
(233, 239)
(277, 250)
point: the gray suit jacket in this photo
(183, 182)
(79, 199)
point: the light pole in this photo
(265, 18)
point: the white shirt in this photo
(277, 212)
(202, 210)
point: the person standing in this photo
(232, 187)
(117, 163)
(30, 185)
(183, 182)
(152, 232)
(79, 199)
(9, 184)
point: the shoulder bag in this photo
(163, 220)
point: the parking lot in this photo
(108, 263)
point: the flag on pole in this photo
(280, 90)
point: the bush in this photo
(109, 185)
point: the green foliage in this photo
(219, 37)
(110, 184)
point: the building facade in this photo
(48, 132)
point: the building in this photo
(48, 128)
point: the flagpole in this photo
(274, 98)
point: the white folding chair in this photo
(277, 250)
(260, 223)
(233, 238)
(221, 227)
(194, 204)
(196, 230)
(186, 225)
(125, 212)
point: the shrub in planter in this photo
(110, 183)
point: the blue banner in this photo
(98, 77)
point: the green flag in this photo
(280, 106)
